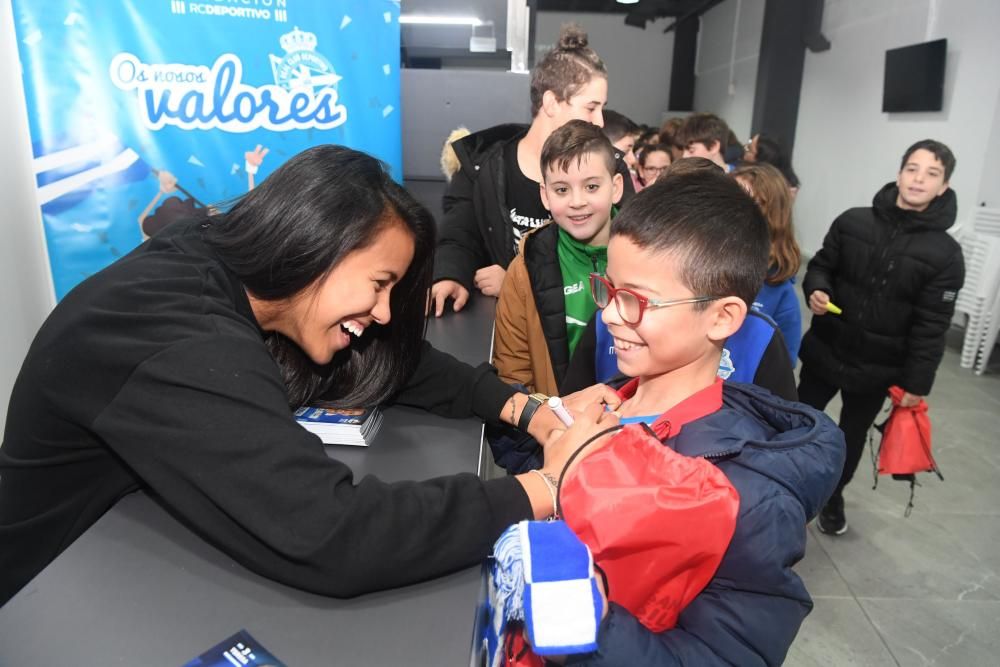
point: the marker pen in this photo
(555, 404)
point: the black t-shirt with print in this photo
(524, 204)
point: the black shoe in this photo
(831, 520)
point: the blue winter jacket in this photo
(781, 303)
(784, 459)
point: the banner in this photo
(143, 110)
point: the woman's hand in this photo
(443, 290)
(587, 424)
(598, 393)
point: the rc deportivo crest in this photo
(302, 67)
(726, 367)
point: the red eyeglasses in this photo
(632, 306)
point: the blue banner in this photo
(142, 110)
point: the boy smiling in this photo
(685, 258)
(544, 302)
(894, 271)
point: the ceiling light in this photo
(413, 19)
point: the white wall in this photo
(719, 64)
(846, 148)
(989, 184)
(26, 293)
(638, 61)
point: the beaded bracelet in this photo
(553, 488)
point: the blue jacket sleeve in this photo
(748, 615)
(788, 317)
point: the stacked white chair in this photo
(980, 298)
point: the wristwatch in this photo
(534, 401)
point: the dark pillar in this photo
(682, 69)
(789, 26)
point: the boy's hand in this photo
(489, 279)
(817, 302)
(909, 400)
(443, 290)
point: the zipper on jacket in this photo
(720, 455)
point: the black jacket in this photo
(895, 274)
(476, 230)
(784, 459)
(153, 374)
(541, 259)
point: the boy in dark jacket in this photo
(685, 259)
(545, 302)
(894, 272)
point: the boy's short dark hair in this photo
(704, 128)
(573, 141)
(940, 151)
(709, 225)
(688, 165)
(618, 125)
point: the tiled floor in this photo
(922, 590)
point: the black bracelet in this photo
(530, 407)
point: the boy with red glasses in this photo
(685, 258)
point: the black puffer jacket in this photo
(476, 229)
(895, 273)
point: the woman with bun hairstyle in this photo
(777, 298)
(494, 197)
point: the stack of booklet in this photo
(341, 426)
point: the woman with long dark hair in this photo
(176, 369)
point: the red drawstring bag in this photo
(906, 443)
(657, 523)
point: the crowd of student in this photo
(584, 223)
(648, 273)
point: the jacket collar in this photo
(697, 405)
(940, 214)
(472, 149)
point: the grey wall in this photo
(26, 293)
(638, 61)
(845, 147)
(437, 101)
(989, 185)
(719, 64)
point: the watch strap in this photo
(530, 407)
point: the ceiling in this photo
(637, 14)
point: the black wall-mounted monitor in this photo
(914, 77)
